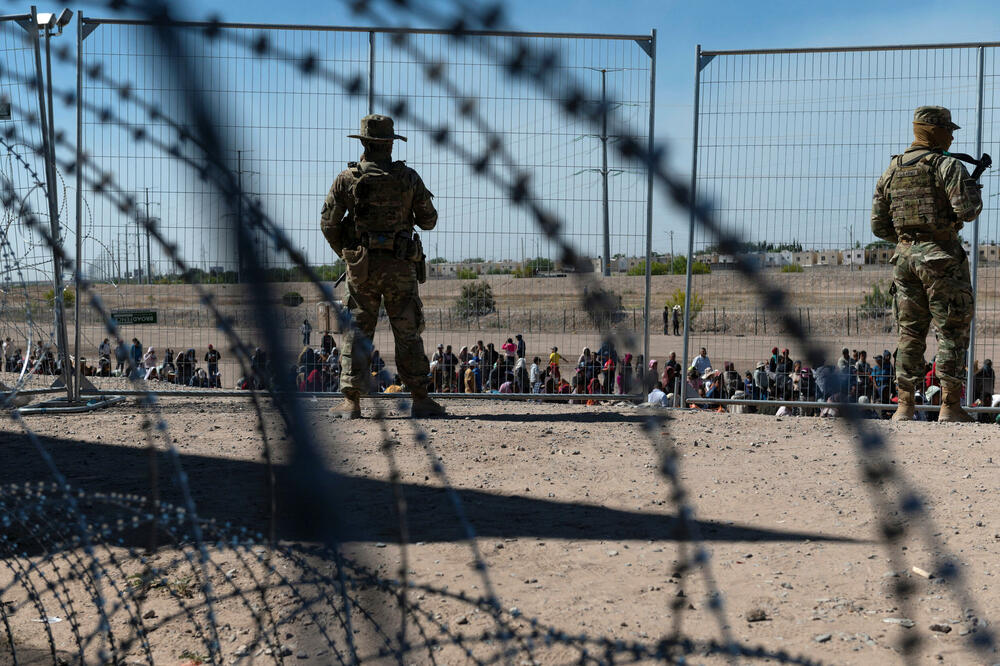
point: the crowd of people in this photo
(484, 368)
(130, 360)
(852, 379)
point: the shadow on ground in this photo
(237, 491)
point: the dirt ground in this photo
(572, 518)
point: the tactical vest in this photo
(918, 203)
(379, 197)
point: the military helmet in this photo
(376, 127)
(934, 115)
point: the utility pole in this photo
(149, 257)
(604, 171)
(239, 212)
(671, 249)
(239, 216)
(126, 253)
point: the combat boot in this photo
(904, 411)
(349, 407)
(423, 406)
(951, 405)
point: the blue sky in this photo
(722, 24)
(681, 26)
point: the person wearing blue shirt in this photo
(136, 352)
(883, 379)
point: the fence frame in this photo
(86, 25)
(703, 58)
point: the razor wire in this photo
(728, 647)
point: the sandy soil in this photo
(573, 520)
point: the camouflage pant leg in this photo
(952, 305)
(406, 316)
(395, 281)
(913, 318)
(363, 301)
(931, 285)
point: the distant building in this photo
(989, 252)
(827, 258)
(805, 258)
(879, 255)
(854, 256)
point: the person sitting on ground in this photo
(712, 384)
(656, 397)
(695, 388)
(396, 386)
(866, 412)
(508, 384)
(200, 378)
(831, 412)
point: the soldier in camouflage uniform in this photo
(921, 203)
(368, 219)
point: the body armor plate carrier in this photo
(917, 202)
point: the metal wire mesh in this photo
(347, 591)
(293, 132)
(790, 145)
(26, 292)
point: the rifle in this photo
(982, 164)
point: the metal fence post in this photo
(691, 226)
(371, 71)
(45, 117)
(78, 366)
(974, 268)
(649, 199)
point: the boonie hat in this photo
(934, 115)
(376, 127)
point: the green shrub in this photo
(475, 300)
(466, 274)
(792, 268)
(876, 302)
(69, 297)
(679, 267)
(540, 265)
(677, 298)
(438, 260)
(656, 268)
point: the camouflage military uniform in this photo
(370, 227)
(920, 203)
